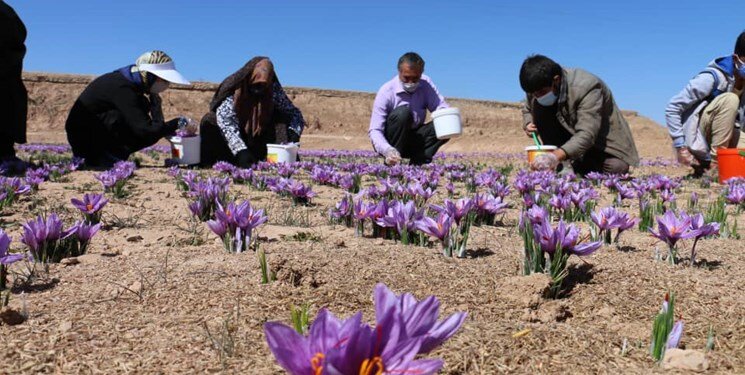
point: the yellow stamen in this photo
(317, 363)
(372, 366)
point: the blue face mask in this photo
(547, 100)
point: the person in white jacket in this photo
(710, 111)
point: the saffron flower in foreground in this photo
(404, 329)
(91, 206)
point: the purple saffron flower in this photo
(341, 210)
(671, 228)
(487, 204)
(564, 237)
(736, 194)
(560, 202)
(219, 227)
(350, 347)
(224, 167)
(606, 218)
(234, 224)
(84, 232)
(673, 339)
(6, 257)
(419, 317)
(439, 228)
(704, 230)
(91, 206)
(537, 214)
(457, 210)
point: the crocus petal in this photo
(586, 248)
(324, 332)
(290, 349)
(673, 339)
(419, 367)
(442, 331)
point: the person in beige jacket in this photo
(575, 111)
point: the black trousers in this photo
(419, 145)
(214, 147)
(553, 133)
(13, 113)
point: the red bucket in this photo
(731, 163)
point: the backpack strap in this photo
(720, 85)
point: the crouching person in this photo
(397, 128)
(249, 110)
(709, 113)
(575, 111)
(120, 113)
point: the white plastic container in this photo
(186, 150)
(281, 153)
(447, 123)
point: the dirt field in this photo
(157, 292)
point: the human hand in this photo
(244, 159)
(392, 157)
(530, 129)
(189, 126)
(685, 157)
(545, 162)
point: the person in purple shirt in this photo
(397, 128)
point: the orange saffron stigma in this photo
(317, 363)
(372, 366)
(88, 206)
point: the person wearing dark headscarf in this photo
(120, 113)
(13, 95)
(249, 110)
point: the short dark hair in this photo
(537, 72)
(411, 58)
(740, 45)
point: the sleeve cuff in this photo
(679, 142)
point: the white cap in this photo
(166, 70)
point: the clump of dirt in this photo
(11, 316)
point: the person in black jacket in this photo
(13, 95)
(120, 113)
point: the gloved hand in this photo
(189, 126)
(392, 157)
(244, 159)
(292, 136)
(685, 157)
(545, 162)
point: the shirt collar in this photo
(398, 86)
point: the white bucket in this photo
(281, 153)
(185, 150)
(447, 123)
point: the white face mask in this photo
(159, 86)
(410, 87)
(547, 100)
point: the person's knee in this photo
(727, 102)
(615, 166)
(401, 115)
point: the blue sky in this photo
(645, 50)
